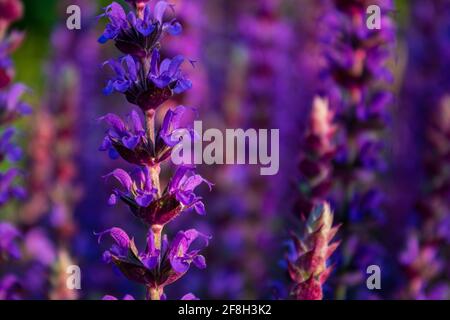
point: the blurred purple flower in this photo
(7, 188)
(7, 46)
(11, 105)
(126, 297)
(10, 288)
(8, 242)
(40, 247)
(10, 10)
(8, 150)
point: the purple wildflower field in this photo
(224, 150)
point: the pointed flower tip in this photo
(308, 267)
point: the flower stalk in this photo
(147, 83)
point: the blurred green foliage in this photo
(40, 16)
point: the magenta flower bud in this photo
(308, 267)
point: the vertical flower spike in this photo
(425, 146)
(356, 79)
(308, 267)
(11, 106)
(318, 151)
(148, 81)
(423, 258)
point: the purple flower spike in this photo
(148, 82)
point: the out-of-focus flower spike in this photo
(309, 268)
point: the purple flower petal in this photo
(189, 296)
(119, 236)
(123, 177)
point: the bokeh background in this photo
(259, 64)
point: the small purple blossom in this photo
(168, 74)
(141, 196)
(10, 288)
(152, 267)
(7, 188)
(129, 141)
(11, 105)
(8, 150)
(151, 89)
(138, 35)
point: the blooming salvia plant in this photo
(148, 81)
(307, 265)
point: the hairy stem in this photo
(150, 128)
(154, 174)
(140, 6)
(157, 234)
(154, 293)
